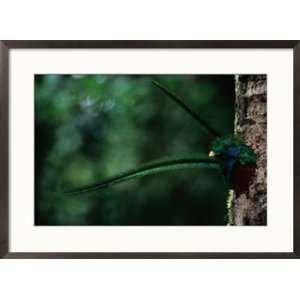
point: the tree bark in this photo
(250, 208)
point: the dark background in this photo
(89, 127)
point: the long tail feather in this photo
(180, 102)
(149, 169)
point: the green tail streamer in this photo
(180, 102)
(149, 169)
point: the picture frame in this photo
(5, 151)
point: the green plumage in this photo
(150, 169)
(180, 102)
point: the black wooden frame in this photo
(5, 47)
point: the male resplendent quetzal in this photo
(236, 160)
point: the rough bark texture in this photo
(250, 208)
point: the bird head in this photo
(233, 148)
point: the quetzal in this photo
(237, 160)
(229, 154)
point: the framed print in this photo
(149, 149)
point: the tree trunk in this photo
(250, 208)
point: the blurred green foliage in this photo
(89, 127)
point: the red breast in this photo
(241, 178)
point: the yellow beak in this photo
(211, 154)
